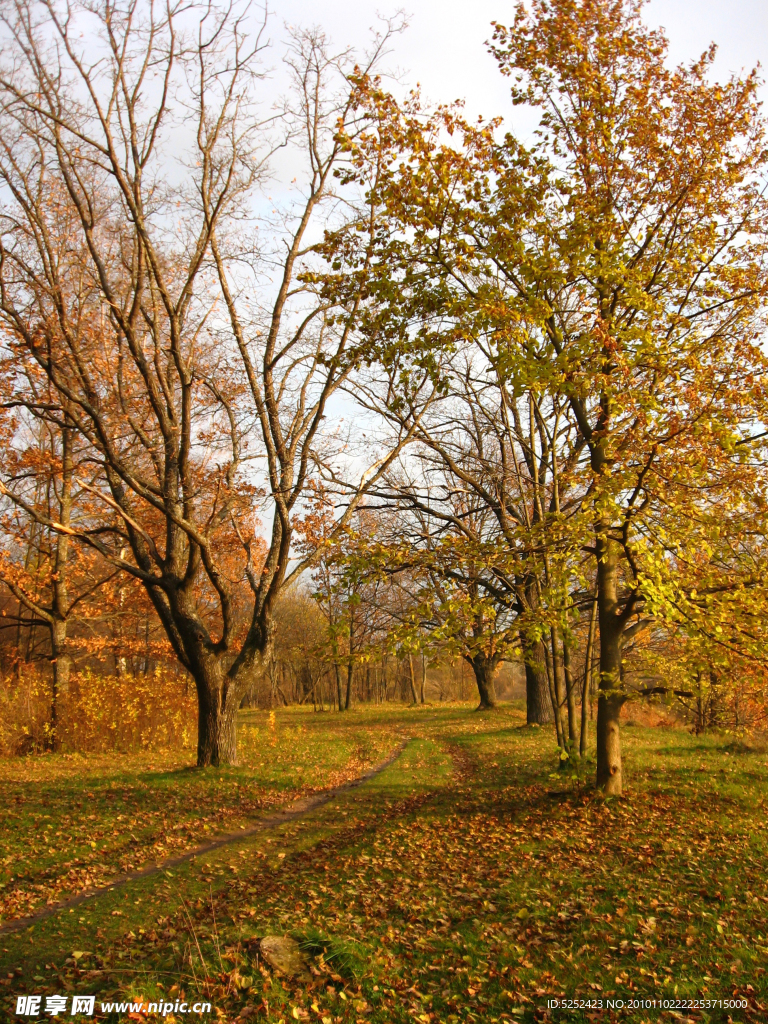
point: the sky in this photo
(443, 48)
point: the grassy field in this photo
(72, 822)
(469, 881)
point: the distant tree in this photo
(510, 455)
(356, 607)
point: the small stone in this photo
(284, 955)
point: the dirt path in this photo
(272, 821)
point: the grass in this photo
(73, 822)
(464, 883)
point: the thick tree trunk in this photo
(219, 691)
(538, 706)
(608, 737)
(485, 675)
(216, 722)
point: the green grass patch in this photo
(470, 881)
(72, 823)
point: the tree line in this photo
(508, 394)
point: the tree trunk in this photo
(62, 663)
(609, 745)
(610, 698)
(350, 678)
(538, 707)
(339, 693)
(412, 680)
(423, 679)
(485, 674)
(570, 694)
(586, 693)
(272, 672)
(554, 672)
(554, 696)
(62, 667)
(216, 721)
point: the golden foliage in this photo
(100, 713)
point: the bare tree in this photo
(177, 319)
